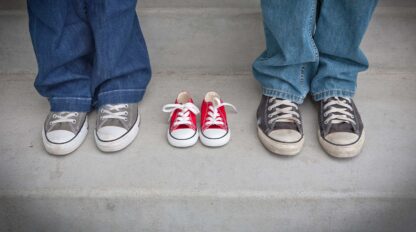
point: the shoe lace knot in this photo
(183, 116)
(214, 117)
(338, 110)
(118, 111)
(64, 117)
(281, 110)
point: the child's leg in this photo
(340, 28)
(121, 68)
(62, 41)
(284, 69)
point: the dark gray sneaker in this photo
(64, 132)
(117, 126)
(280, 126)
(341, 131)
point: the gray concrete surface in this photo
(21, 4)
(218, 41)
(153, 187)
(241, 187)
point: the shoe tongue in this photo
(66, 126)
(341, 127)
(214, 102)
(286, 125)
(114, 122)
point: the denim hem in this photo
(71, 104)
(283, 94)
(120, 96)
(333, 93)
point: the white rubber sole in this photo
(183, 142)
(343, 151)
(66, 148)
(285, 149)
(121, 143)
(215, 142)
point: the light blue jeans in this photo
(312, 46)
(89, 52)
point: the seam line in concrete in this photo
(381, 10)
(177, 194)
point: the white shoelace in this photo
(64, 117)
(342, 115)
(183, 117)
(107, 112)
(286, 114)
(214, 118)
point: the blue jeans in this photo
(312, 46)
(89, 52)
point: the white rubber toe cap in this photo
(183, 133)
(215, 133)
(109, 133)
(342, 138)
(60, 136)
(285, 135)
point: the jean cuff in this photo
(71, 104)
(120, 96)
(324, 94)
(283, 95)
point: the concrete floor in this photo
(152, 186)
(233, 188)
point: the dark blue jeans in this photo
(89, 52)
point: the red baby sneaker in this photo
(182, 131)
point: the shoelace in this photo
(107, 112)
(64, 117)
(339, 114)
(183, 117)
(287, 114)
(214, 118)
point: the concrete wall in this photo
(218, 41)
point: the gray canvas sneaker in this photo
(280, 126)
(64, 132)
(117, 126)
(341, 131)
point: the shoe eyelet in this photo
(125, 119)
(126, 105)
(76, 114)
(74, 121)
(53, 115)
(50, 123)
(126, 113)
